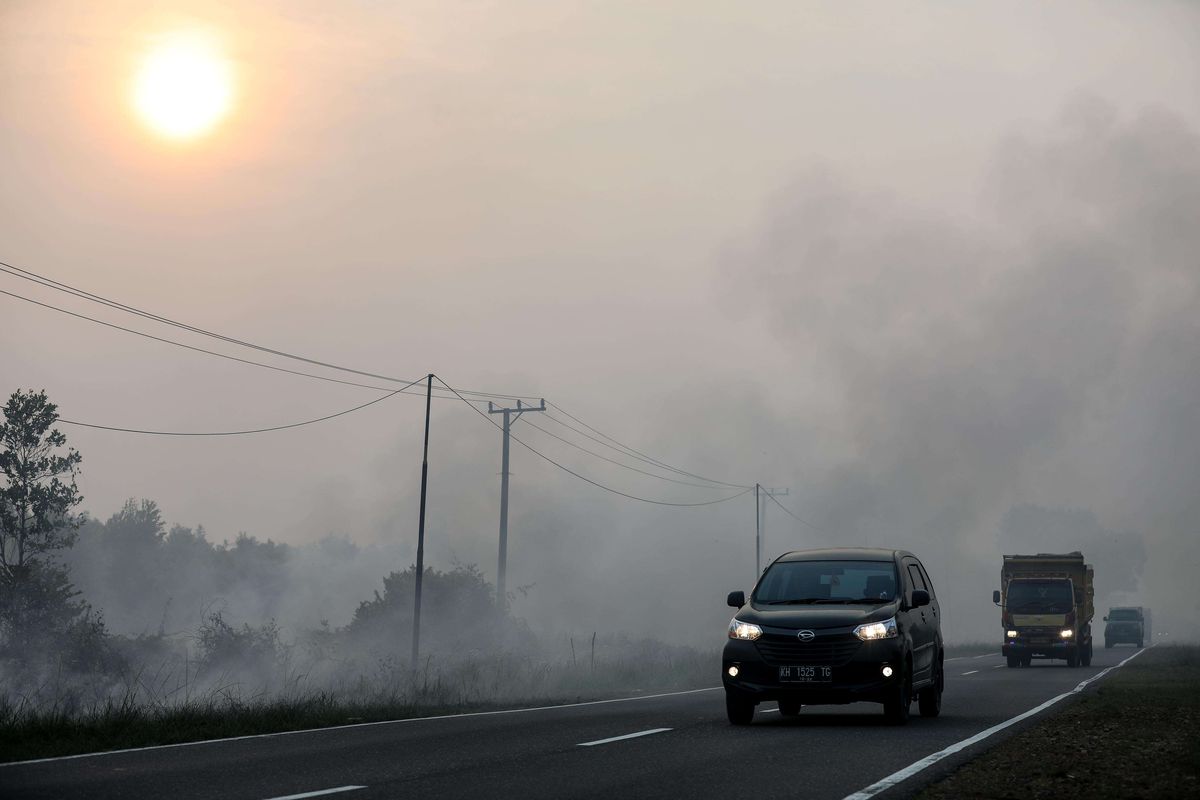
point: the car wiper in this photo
(799, 601)
(869, 600)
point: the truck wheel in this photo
(789, 708)
(929, 701)
(1086, 660)
(895, 708)
(739, 709)
(1073, 659)
(1013, 662)
(1107, 644)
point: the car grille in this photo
(788, 650)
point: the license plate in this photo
(805, 674)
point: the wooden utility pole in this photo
(511, 415)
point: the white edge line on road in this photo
(971, 672)
(317, 793)
(358, 725)
(999, 666)
(933, 758)
(626, 736)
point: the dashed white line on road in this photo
(318, 793)
(930, 760)
(985, 655)
(999, 666)
(972, 672)
(771, 711)
(626, 736)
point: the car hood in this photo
(814, 617)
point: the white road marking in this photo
(999, 666)
(933, 758)
(770, 711)
(985, 655)
(359, 725)
(626, 736)
(972, 672)
(317, 793)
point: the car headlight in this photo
(747, 631)
(1067, 633)
(877, 630)
(1012, 634)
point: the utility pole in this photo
(511, 415)
(416, 642)
(761, 493)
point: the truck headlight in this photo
(1067, 633)
(877, 630)
(1011, 634)
(747, 631)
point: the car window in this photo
(928, 583)
(917, 581)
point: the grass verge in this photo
(1133, 737)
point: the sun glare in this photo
(183, 87)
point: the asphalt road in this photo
(686, 749)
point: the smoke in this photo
(1039, 350)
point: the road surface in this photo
(677, 745)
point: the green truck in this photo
(1127, 625)
(1046, 608)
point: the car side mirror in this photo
(920, 597)
(996, 597)
(736, 599)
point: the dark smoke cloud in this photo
(1042, 350)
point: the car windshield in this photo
(1040, 597)
(1123, 613)
(813, 582)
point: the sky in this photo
(922, 264)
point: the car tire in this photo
(896, 706)
(1072, 659)
(929, 701)
(738, 708)
(1087, 655)
(1013, 662)
(1107, 644)
(789, 708)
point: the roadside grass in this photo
(135, 718)
(1135, 736)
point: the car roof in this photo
(845, 554)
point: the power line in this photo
(614, 461)
(238, 433)
(642, 455)
(789, 512)
(597, 484)
(42, 280)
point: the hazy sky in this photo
(918, 262)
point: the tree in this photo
(39, 490)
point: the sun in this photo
(184, 86)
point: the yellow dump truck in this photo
(1046, 608)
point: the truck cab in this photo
(1046, 604)
(1126, 625)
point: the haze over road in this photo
(685, 748)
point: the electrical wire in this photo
(239, 433)
(642, 455)
(614, 461)
(42, 280)
(584, 478)
(790, 513)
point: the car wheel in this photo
(1107, 644)
(1072, 659)
(895, 708)
(789, 708)
(1013, 662)
(1087, 656)
(739, 709)
(929, 701)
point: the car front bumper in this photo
(858, 679)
